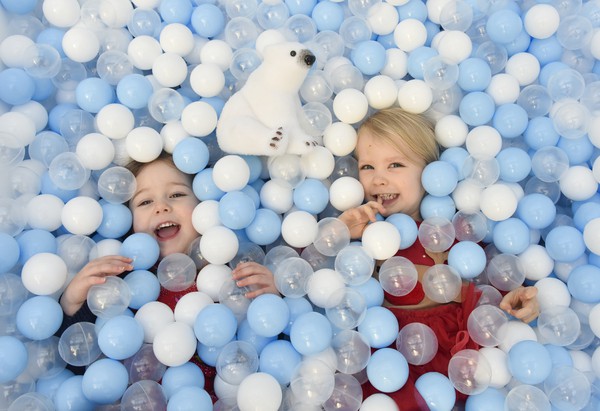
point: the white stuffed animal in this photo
(263, 117)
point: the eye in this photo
(366, 167)
(177, 195)
(293, 53)
(143, 203)
(396, 165)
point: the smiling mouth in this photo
(382, 198)
(166, 231)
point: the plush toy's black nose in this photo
(309, 59)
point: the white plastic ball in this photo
(190, 305)
(483, 142)
(467, 196)
(11, 50)
(143, 52)
(578, 183)
(525, 67)
(175, 344)
(154, 316)
(499, 365)
(277, 196)
(381, 240)
(44, 274)
(259, 391)
(340, 138)
(383, 18)
(322, 284)
(143, 144)
(415, 96)
(552, 292)
(169, 69)
(591, 235)
(346, 192)
(318, 163)
(82, 215)
(34, 111)
(350, 105)
(537, 264)
(172, 133)
(207, 80)
(410, 34)
(80, 44)
(115, 13)
(219, 245)
(108, 246)
(299, 229)
(498, 202)
(453, 46)
(95, 151)
(231, 172)
(206, 215)
(217, 52)
(62, 13)
(199, 119)
(211, 278)
(379, 402)
(594, 320)
(503, 89)
(44, 212)
(115, 121)
(176, 38)
(381, 92)
(19, 125)
(541, 21)
(595, 45)
(451, 131)
(515, 331)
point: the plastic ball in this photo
(441, 283)
(144, 365)
(110, 298)
(350, 105)
(81, 215)
(398, 276)
(387, 370)
(291, 276)
(559, 325)
(120, 337)
(143, 393)
(526, 395)
(313, 381)
(436, 389)
(143, 144)
(529, 362)
(231, 173)
(564, 243)
(267, 315)
(436, 234)
(486, 325)
(568, 388)
(39, 317)
(469, 372)
(299, 229)
(67, 171)
(252, 390)
(44, 273)
(116, 185)
(174, 344)
(105, 381)
(13, 293)
(310, 333)
(13, 358)
(381, 240)
(346, 308)
(78, 344)
(379, 327)
(321, 285)
(417, 342)
(215, 325)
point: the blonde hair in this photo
(136, 167)
(404, 130)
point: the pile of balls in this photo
(85, 86)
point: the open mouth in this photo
(386, 198)
(166, 231)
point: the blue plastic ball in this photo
(476, 108)
(407, 227)
(116, 220)
(417, 59)
(185, 375)
(48, 385)
(511, 236)
(369, 57)
(93, 93)
(536, 210)
(215, 325)
(204, 186)
(236, 210)
(491, 399)
(39, 317)
(300, 6)
(372, 292)
(208, 20)
(578, 150)
(503, 26)
(311, 333)
(186, 396)
(9, 252)
(546, 50)
(437, 391)
(529, 362)
(142, 249)
(311, 196)
(247, 334)
(120, 337)
(565, 244)
(69, 396)
(13, 358)
(379, 327)
(297, 307)
(268, 315)
(413, 9)
(439, 178)
(35, 241)
(474, 74)
(16, 87)
(433, 206)
(467, 258)
(144, 287)
(514, 164)
(387, 370)
(279, 359)
(584, 283)
(191, 155)
(105, 381)
(175, 11)
(510, 120)
(265, 228)
(134, 91)
(328, 15)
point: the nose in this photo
(161, 207)
(379, 178)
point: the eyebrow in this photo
(143, 190)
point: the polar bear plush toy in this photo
(263, 117)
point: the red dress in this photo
(448, 322)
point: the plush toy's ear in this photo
(267, 38)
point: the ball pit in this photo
(85, 86)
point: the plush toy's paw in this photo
(277, 138)
(301, 144)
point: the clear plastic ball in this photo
(240, 32)
(398, 276)
(571, 119)
(535, 99)
(78, 344)
(13, 294)
(436, 234)
(332, 236)
(346, 308)
(243, 62)
(417, 342)
(355, 264)
(316, 87)
(441, 283)
(345, 76)
(272, 15)
(469, 372)
(439, 74)
(176, 272)
(484, 171)
(566, 84)
(318, 118)
(486, 325)
(352, 351)
(559, 325)
(291, 276)
(313, 380)
(347, 394)
(165, 105)
(110, 298)
(145, 394)
(286, 168)
(470, 226)
(526, 396)
(41, 61)
(32, 401)
(67, 171)
(234, 297)
(236, 361)
(505, 272)
(144, 365)
(277, 255)
(567, 388)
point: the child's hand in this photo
(522, 303)
(358, 218)
(256, 276)
(92, 273)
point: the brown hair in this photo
(403, 130)
(136, 167)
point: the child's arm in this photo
(93, 273)
(522, 303)
(357, 219)
(256, 276)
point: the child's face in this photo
(162, 206)
(388, 176)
